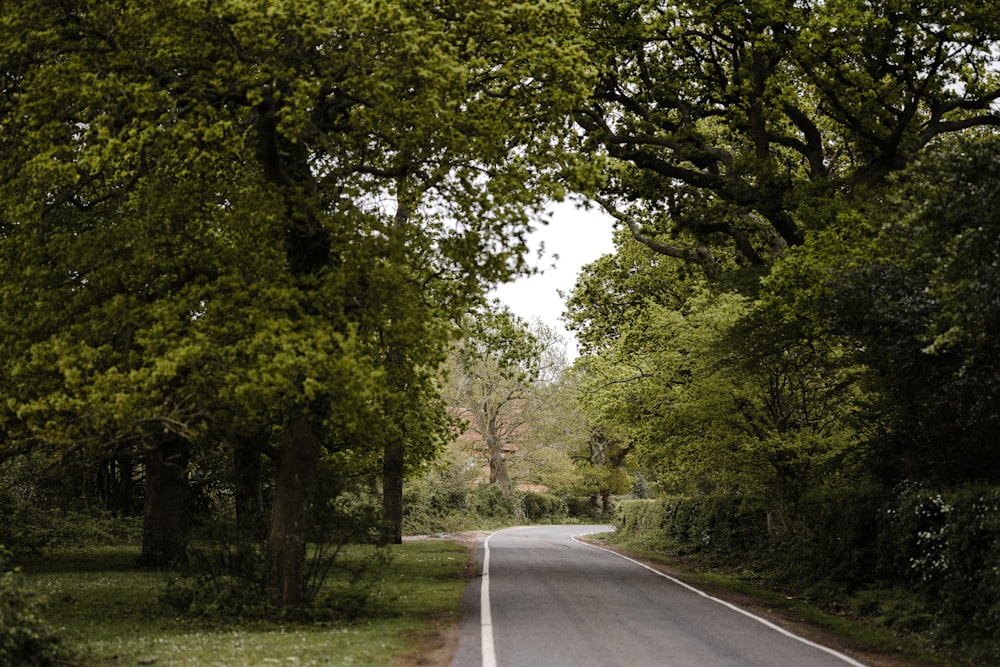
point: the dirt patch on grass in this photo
(435, 646)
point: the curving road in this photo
(547, 600)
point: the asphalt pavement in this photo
(545, 599)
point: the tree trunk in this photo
(295, 478)
(125, 485)
(394, 453)
(165, 511)
(392, 492)
(498, 466)
(247, 491)
(595, 505)
(115, 481)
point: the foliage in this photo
(237, 218)
(908, 278)
(544, 507)
(722, 128)
(25, 637)
(31, 521)
(498, 377)
(708, 390)
(227, 580)
(850, 543)
(226, 573)
(721, 528)
(439, 504)
(947, 547)
(34, 531)
(437, 501)
(611, 292)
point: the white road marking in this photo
(485, 615)
(847, 659)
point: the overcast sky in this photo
(578, 237)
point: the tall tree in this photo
(711, 391)
(726, 125)
(913, 285)
(494, 374)
(299, 134)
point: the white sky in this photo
(578, 237)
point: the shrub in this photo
(430, 506)
(947, 546)
(227, 573)
(544, 507)
(578, 507)
(25, 638)
(828, 535)
(488, 502)
(721, 528)
(29, 529)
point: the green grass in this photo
(110, 611)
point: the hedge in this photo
(945, 546)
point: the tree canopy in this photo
(725, 125)
(249, 217)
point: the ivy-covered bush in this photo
(947, 546)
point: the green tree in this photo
(913, 285)
(709, 391)
(495, 375)
(727, 125)
(279, 179)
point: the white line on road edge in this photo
(485, 615)
(847, 659)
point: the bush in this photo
(227, 569)
(432, 507)
(25, 638)
(540, 507)
(28, 529)
(829, 535)
(723, 529)
(947, 546)
(578, 507)
(225, 576)
(488, 502)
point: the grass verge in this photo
(110, 611)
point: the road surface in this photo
(547, 600)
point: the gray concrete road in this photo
(547, 600)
